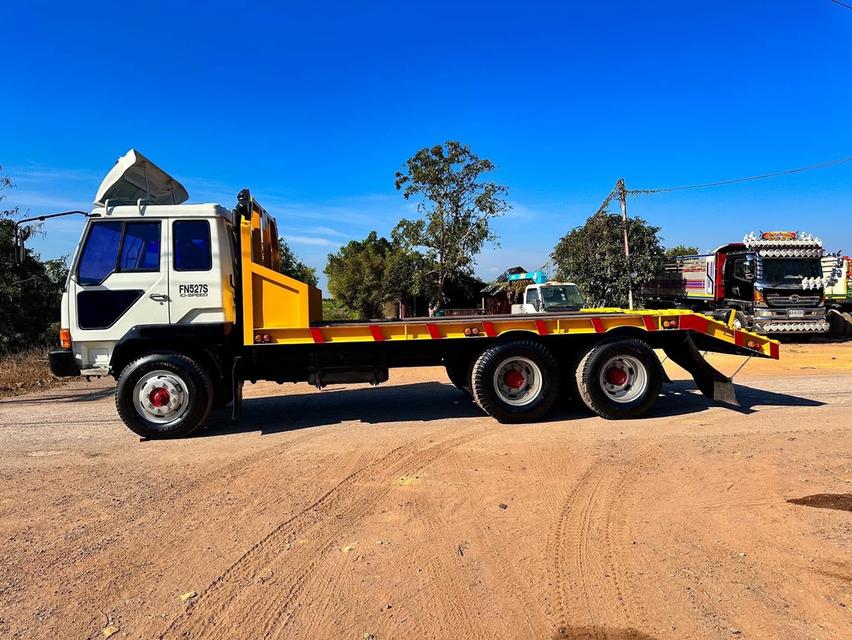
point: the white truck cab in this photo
(146, 261)
(550, 297)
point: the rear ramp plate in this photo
(712, 383)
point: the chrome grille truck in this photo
(772, 283)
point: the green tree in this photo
(592, 256)
(30, 292)
(456, 207)
(408, 275)
(333, 309)
(293, 267)
(681, 250)
(356, 275)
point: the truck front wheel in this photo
(515, 381)
(163, 395)
(619, 379)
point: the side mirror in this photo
(22, 234)
(537, 305)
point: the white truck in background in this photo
(543, 296)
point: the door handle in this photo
(159, 297)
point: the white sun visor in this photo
(134, 177)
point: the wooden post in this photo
(622, 197)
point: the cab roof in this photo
(206, 210)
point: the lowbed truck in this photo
(183, 303)
(771, 283)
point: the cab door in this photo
(119, 281)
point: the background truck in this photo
(183, 303)
(546, 297)
(838, 296)
(772, 283)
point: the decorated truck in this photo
(772, 282)
(184, 303)
(838, 296)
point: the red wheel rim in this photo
(616, 376)
(159, 397)
(514, 379)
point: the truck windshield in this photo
(780, 271)
(561, 296)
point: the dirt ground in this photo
(402, 512)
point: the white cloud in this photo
(311, 240)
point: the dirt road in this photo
(402, 512)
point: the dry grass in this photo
(25, 371)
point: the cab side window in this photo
(532, 296)
(140, 250)
(100, 253)
(192, 249)
(740, 268)
(113, 246)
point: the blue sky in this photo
(314, 106)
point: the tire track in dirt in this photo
(364, 508)
(231, 598)
(102, 533)
(591, 583)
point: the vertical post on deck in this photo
(621, 192)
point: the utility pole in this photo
(621, 194)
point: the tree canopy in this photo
(293, 267)
(30, 292)
(681, 250)
(456, 205)
(592, 256)
(356, 274)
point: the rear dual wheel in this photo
(519, 381)
(515, 381)
(619, 379)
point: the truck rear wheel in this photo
(848, 329)
(619, 379)
(515, 381)
(163, 395)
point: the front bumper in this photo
(808, 320)
(63, 364)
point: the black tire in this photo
(569, 394)
(639, 361)
(847, 333)
(191, 413)
(542, 383)
(723, 315)
(458, 371)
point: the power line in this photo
(842, 4)
(763, 176)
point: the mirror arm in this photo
(18, 238)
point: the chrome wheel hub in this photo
(623, 379)
(518, 381)
(161, 397)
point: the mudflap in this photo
(710, 381)
(237, 381)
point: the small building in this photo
(499, 296)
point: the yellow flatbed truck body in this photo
(277, 309)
